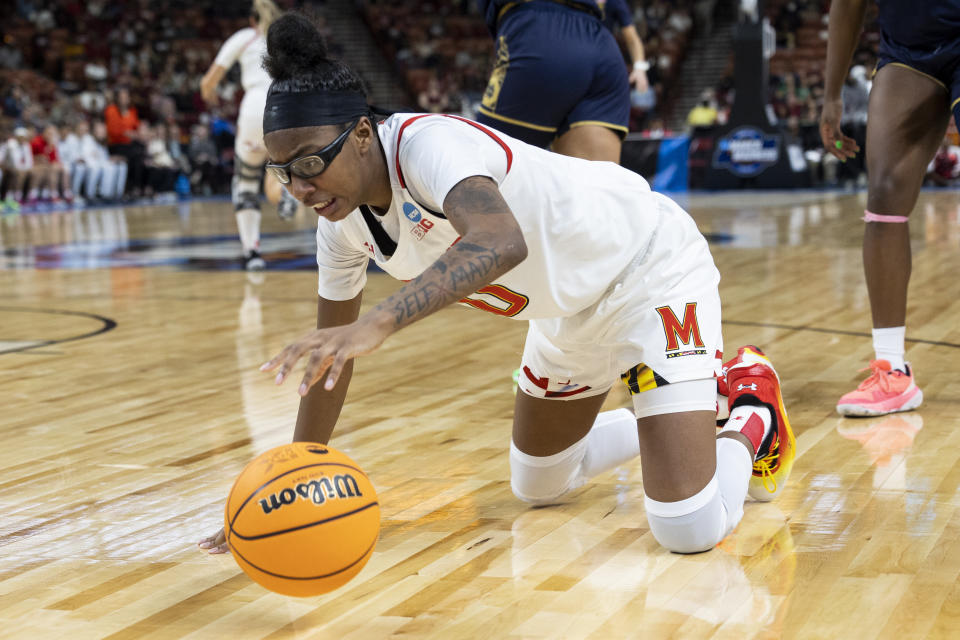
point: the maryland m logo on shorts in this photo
(683, 337)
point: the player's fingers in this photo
(223, 548)
(278, 359)
(212, 541)
(288, 359)
(317, 364)
(850, 145)
(336, 368)
(271, 364)
(845, 148)
(836, 152)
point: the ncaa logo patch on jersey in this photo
(412, 213)
(422, 225)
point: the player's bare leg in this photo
(545, 427)
(591, 142)
(907, 117)
(679, 453)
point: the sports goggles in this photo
(310, 166)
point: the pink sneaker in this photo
(887, 390)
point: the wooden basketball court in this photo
(130, 399)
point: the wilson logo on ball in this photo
(318, 491)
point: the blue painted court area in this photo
(283, 251)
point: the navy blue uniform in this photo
(923, 35)
(616, 14)
(557, 67)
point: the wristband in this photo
(641, 65)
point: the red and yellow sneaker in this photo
(747, 353)
(753, 381)
(886, 390)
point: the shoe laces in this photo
(765, 465)
(879, 377)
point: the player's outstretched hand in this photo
(216, 543)
(841, 146)
(329, 349)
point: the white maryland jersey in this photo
(247, 47)
(583, 222)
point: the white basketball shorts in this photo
(658, 323)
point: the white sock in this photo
(734, 468)
(888, 345)
(611, 441)
(740, 422)
(248, 224)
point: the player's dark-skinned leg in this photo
(591, 142)
(907, 118)
(544, 427)
(679, 453)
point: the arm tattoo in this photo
(492, 245)
(463, 269)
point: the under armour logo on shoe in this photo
(752, 386)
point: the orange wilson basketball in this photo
(302, 519)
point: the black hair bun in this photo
(295, 48)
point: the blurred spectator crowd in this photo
(101, 100)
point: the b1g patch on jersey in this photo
(683, 338)
(422, 225)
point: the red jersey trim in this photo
(477, 125)
(544, 383)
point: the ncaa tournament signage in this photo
(751, 151)
(746, 151)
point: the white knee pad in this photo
(678, 397)
(692, 525)
(541, 480)
(611, 441)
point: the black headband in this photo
(312, 109)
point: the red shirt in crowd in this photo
(41, 147)
(120, 124)
(944, 163)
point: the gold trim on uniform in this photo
(906, 66)
(521, 123)
(601, 123)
